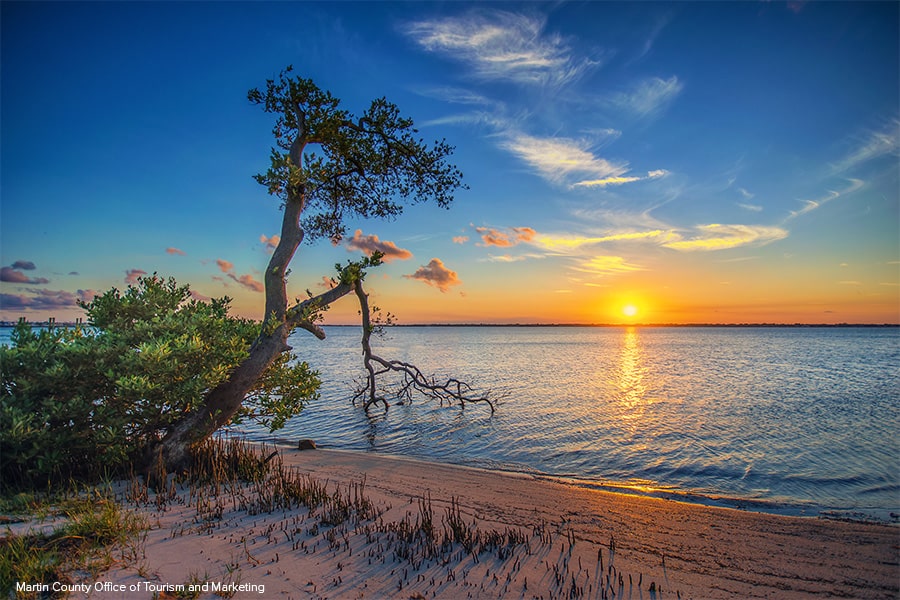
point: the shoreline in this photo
(598, 542)
(798, 509)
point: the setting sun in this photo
(630, 310)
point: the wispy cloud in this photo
(750, 207)
(648, 97)
(811, 205)
(607, 181)
(874, 144)
(716, 236)
(606, 265)
(557, 159)
(571, 242)
(370, 243)
(437, 275)
(171, 250)
(454, 95)
(460, 239)
(502, 45)
(650, 40)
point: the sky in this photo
(732, 162)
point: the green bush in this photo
(85, 401)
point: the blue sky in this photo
(703, 162)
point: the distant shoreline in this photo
(600, 325)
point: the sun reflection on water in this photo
(631, 373)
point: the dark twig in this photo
(411, 378)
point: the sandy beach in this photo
(555, 541)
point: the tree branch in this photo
(303, 315)
(411, 378)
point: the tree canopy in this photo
(167, 370)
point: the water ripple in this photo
(788, 418)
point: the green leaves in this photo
(364, 166)
(79, 402)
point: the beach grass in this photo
(252, 520)
(90, 530)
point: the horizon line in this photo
(54, 323)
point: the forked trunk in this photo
(221, 404)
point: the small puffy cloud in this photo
(248, 282)
(460, 239)
(199, 297)
(24, 265)
(87, 295)
(505, 239)
(327, 283)
(12, 275)
(132, 275)
(720, 237)
(437, 275)
(172, 250)
(370, 243)
(270, 242)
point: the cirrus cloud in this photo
(607, 181)
(557, 159)
(501, 45)
(716, 236)
(649, 96)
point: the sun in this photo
(629, 310)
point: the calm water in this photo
(787, 420)
(792, 420)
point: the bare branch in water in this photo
(412, 380)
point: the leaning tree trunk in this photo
(222, 402)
